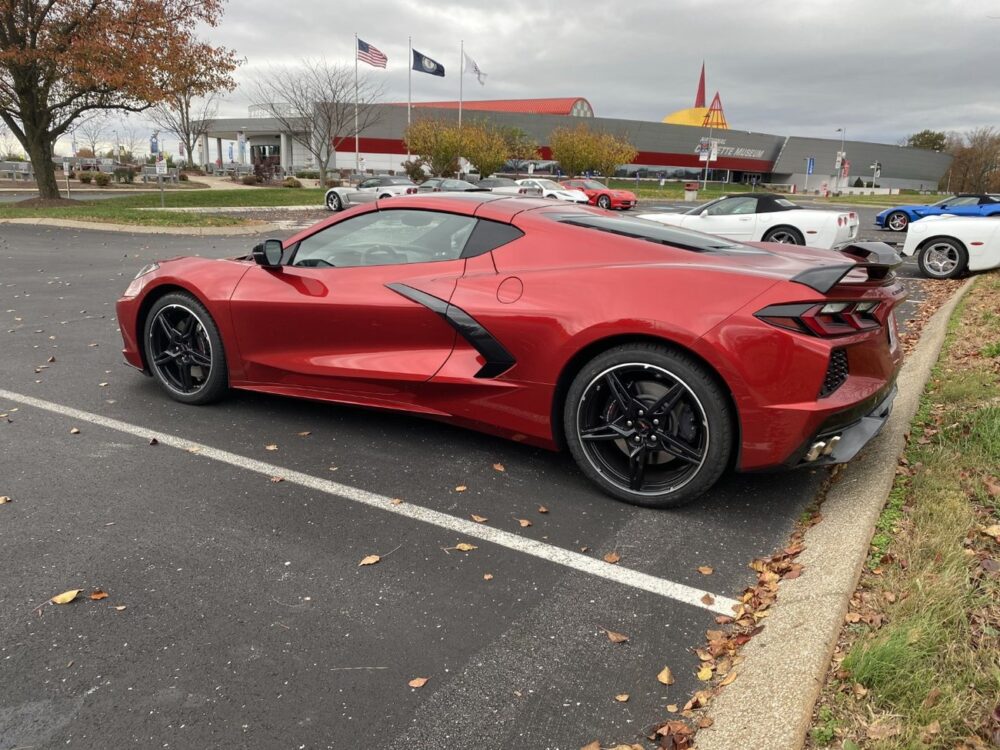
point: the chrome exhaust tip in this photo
(830, 445)
(815, 451)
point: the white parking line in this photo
(551, 553)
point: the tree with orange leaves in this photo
(61, 59)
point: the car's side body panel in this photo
(979, 236)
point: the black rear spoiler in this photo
(877, 258)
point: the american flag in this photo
(371, 55)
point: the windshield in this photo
(550, 185)
(497, 182)
(593, 185)
(397, 181)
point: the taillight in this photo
(824, 319)
(411, 191)
(522, 191)
(853, 215)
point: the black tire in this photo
(604, 201)
(690, 414)
(784, 235)
(333, 202)
(383, 197)
(942, 258)
(184, 350)
(897, 221)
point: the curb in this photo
(771, 702)
(103, 227)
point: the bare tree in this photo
(314, 103)
(128, 137)
(188, 118)
(92, 132)
(976, 164)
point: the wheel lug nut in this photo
(656, 421)
(641, 412)
(653, 438)
(628, 424)
(638, 439)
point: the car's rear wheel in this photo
(333, 202)
(184, 350)
(648, 425)
(604, 201)
(942, 258)
(897, 221)
(785, 236)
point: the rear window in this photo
(651, 231)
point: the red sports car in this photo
(602, 196)
(658, 356)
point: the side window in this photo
(369, 184)
(380, 238)
(733, 206)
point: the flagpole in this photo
(461, 75)
(357, 153)
(409, 81)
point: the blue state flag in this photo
(424, 64)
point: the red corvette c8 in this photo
(658, 356)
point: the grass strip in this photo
(918, 665)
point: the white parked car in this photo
(368, 190)
(507, 186)
(948, 246)
(552, 189)
(763, 217)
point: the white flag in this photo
(471, 67)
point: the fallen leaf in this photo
(622, 697)
(993, 531)
(465, 547)
(705, 673)
(612, 557)
(992, 486)
(120, 608)
(65, 597)
(706, 570)
(499, 467)
(852, 617)
(74, 431)
(479, 519)
(672, 708)
(616, 637)
(96, 595)
(154, 441)
(882, 731)
(708, 599)
(525, 523)
(369, 560)
(666, 676)
(487, 576)
(418, 682)
(4, 499)
(461, 488)
(305, 433)
(932, 698)
(396, 501)
(271, 447)
(705, 722)
(728, 679)
(595, 745)
(542, 509)
(102, 385)
(277, 479)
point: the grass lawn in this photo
(918, 665)
(651, 190)
(883, 201)
(127, 209)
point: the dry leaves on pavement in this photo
(369, 560)
(418, 682)
(616, 637)
(612, 557)
(665, 676)
(65, 597)
(479, 519)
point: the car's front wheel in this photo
(648, 425)
(184, 350)
(333, 202)
(604, 201)
(942, 258)
(897, 221)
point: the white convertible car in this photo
(371, 189)
(763, 217)
(552, 189)
(948, 246)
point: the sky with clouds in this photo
(880, 68)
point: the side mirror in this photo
(704, 212)
(268, 254)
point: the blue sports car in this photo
(967, 204)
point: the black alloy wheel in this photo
(184, 350)
(604, 201)
(333, 202)
(942, 258)
(648, 425)
(784, 236)
(897, 221)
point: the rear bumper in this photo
(842, 436)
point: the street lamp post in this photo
(843, 156)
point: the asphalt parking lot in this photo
(248, 621)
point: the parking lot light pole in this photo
(843, 156)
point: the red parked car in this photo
(658, 356)
(602, 196)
